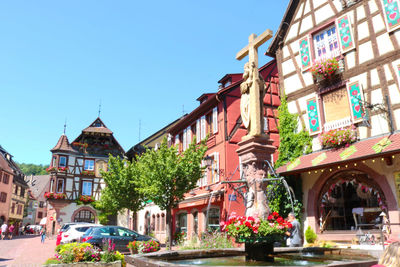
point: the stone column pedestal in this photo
(253, 152)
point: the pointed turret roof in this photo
(97, 127)
(63, 145)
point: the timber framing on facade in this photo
(338, 64)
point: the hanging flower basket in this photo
(324, 69)
(338, 137)
(49, 195)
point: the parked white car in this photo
(74, 232)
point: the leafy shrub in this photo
(310, 235)
(144, 246)
(179, 237)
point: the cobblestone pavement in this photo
(26, 251)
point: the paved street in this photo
(25, 251)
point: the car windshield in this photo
(104, 231)
(82, 229)
(126, 232)
(88, 231)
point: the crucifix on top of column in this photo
(253, 86)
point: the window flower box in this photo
(78, 144)
(86, 199)
(49, 195)
(324, 69)
(56, 169)
(338, 137)
(88, 173)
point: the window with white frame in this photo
(89, 165)
(62, 161)
(203, 127)
(326, 43)
(213, 219)
(198, 130)
(215, 120)
(184, 140)
(60, 186)
(215, 168)
(188, 136)
(87, 188)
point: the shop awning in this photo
(370, 148)
(43, 221)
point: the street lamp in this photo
(208, 161)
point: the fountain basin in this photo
(237, 257)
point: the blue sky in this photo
(146, 61)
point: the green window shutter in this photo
(345, 32)
(356, 99)
(314, 118)
(391, 14)
(305, 53)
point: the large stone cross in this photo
(252, 87)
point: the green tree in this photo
(167, 175)
(292, 144)
(33, 169)
(122, 190)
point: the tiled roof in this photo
(63, 145)
(97, 127)
(38, 184)
(364, 149)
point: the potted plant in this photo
(88, 173)
(85, 199)
(143, 246)
(257, 234)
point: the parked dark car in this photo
(120, 236)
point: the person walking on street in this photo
(43, 234)
(294, 232)
(4, 228)
(11, 231)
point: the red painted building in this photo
(218, 116)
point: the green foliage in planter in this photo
(214, 240)
(310, 235)
(143, 246)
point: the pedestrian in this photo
(391, 256)
(11, 231)
(4, 228)
(294, 232)
(42, 234)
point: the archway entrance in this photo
(348, 199)
(84, 216)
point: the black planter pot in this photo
(259, 251)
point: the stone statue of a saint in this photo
(251, 77)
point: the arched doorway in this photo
(350, 198)
(147, 223)
(84, 215)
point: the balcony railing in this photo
(332, 125)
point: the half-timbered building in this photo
(75, 174)
(339, 64)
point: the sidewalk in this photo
(26, 251)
